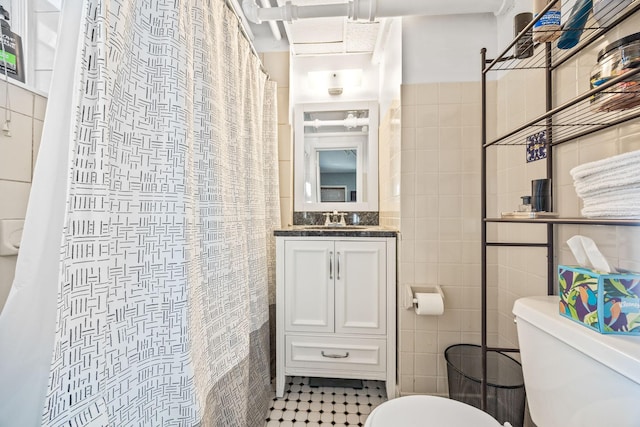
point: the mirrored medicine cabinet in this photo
(336, 157)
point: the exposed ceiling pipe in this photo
(371, 9)
(290, 12)
(389, 8)
(272, 24)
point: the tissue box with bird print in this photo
(606, 302)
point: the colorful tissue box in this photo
(606, 302)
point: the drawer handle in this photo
(335, 356)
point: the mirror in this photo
(336, 157)
(337, 175)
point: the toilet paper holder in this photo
(409, 299)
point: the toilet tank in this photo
(573, 376)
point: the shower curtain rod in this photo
(245, 30)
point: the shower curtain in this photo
(146, 270)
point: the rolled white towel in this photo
(604, 165)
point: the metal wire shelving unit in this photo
(563, 123)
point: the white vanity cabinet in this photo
(335, 309)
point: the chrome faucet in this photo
(331, 219)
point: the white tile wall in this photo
(390, 163)
(21, 100)
(37, 137)
(13, 204)
(17, 157)
(277, 65)
(46, 15)
(16, 150)
(440, 225)
(522, 271)
(39, 107)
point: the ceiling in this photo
(336, 35)
(321, 36)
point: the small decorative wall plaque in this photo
(537, 146)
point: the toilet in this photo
(573, 376)
(424, 411)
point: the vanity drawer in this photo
(326, 352)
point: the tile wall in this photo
(522, 272)
(46, 16)
(277, 64)
(18, 155)
(440, 224)
(389, 155)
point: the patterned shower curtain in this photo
(167, 258)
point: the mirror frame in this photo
(369, 173)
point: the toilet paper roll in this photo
(428, 304)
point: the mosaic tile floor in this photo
(306, 406)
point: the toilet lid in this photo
(423, 411)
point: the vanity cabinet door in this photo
(309, 271)
(360, 287)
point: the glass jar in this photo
(615, 59)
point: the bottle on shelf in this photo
(525, 206)
(575, 24)
(547, 29)
(524, 45)
(10, 50)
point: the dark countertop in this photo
(319, 231)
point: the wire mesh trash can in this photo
(505, 385)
